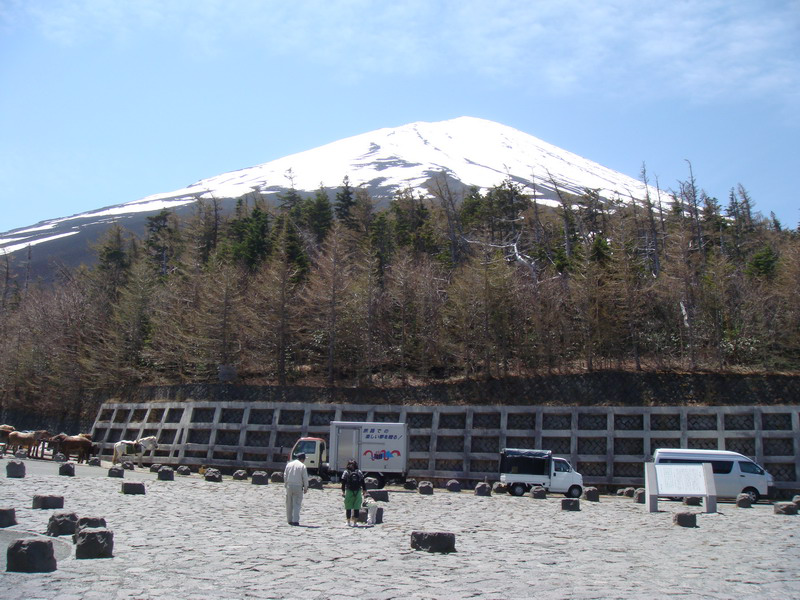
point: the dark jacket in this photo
(346, 476)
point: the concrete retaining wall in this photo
(607, 444)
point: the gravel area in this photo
(192, 539)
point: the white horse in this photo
(136, 448)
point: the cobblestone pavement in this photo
(191, 539)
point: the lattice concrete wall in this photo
(608, 445)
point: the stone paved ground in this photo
(191, 539)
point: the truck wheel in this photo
(518, 489)
(574, 492)
(753, 493)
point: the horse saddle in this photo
(133, 448)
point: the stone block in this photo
(62, 523)
(371, 483)
(30, 556)
(425, 488)
(21, 453)
(572, 504)
(94, 542)
(453, 485)
(591, 494)
(155, 467)
(362, 516)
(240, 475)
(640, 496)
(784, 508)
(539, 493)
(629, 492)
(499, 487)
(621, 492)
(744, 501)
(133, 488)
(315, 483)
(379, 495)
(259, 478)
(483, 489)
(8, 517)
(184, 470)
(88, 523)
(67, 469)
(410, 484)
(60, 458)
(796, 501)
(213, 475)
(433, 541)
(116, 472)
(128, 465)
(693, 501)
(48, 501)
(94, 462)
(684, 519)
(15, 469)
(166, 473)
(276, 477)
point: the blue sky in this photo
(107, 101)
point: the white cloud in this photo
(696, 50)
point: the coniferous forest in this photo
(329, 290)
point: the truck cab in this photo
(522, 469)
(316, 452)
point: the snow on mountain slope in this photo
(475, 152)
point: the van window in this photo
(720, 467)
(561, 466)
(305, 446)
(747, 467)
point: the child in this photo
(372, 508)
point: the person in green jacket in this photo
(353, 483)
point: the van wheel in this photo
(574, 492)
(753, 493)
(518, 489)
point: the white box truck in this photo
(522, 469)
(734, 473)
(380, 449)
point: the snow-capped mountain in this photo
(472, 151)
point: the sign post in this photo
(680, 481)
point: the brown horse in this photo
(29, 440)
(80, 444)
(4, 431)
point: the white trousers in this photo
(372, 510)
(294, 499)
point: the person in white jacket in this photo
(295, 480)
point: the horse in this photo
(29, 440)
(4, 431)
(80, 444)
(137, 448)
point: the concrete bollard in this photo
(591, 494)
(499, 488)
(363, 516)
(379, 495)
(60, 458)
(538, 493)
(425, 488)
(48, 501)
(571, 504)
(276, 477)
(784, 508)
(693, 501)
(94, 542)
(640, 496)
(30, 556)
(240, 475)
(371, 483)
(453, 485)
(62, 523)
(629, 492)
(8, 517)
(128, 465)
(744, 501)
(259, 478)
(88, 523)
(67, 469)
(133, 488)
(684, 519)
(166, 474)
(315, 483)
(15, 469)
(213, 475)
(116, 472)
(94, 462)
(796, 501)
(410, 484)
(483, 489)
(430, 541)
(184, 470)
(21, 453)
(155, 467)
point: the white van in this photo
(734, 473)
(522, 469)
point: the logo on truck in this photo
(382, 454)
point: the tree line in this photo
(433, 287)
